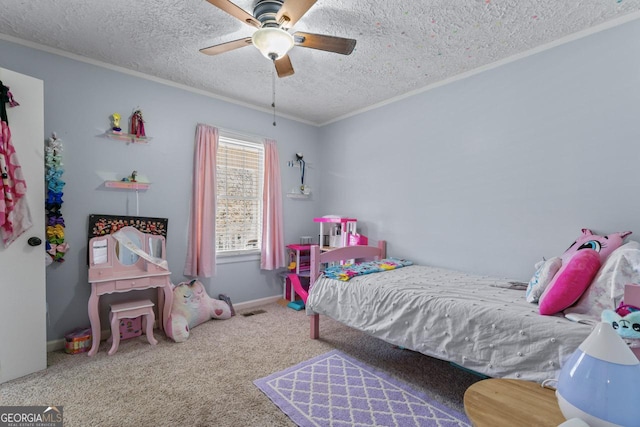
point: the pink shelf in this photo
(127, 137)
(334, 220)
(297, 247)
(127, 185)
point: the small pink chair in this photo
(131, 310)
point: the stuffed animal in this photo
(191, 307)
(625, 320)
(604, 245)
(559, 282)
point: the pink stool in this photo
(131, 310)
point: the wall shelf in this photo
(124, 185)
(127, 137)
(298, 196)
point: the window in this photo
(239, 173)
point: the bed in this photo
(480, 323)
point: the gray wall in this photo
(486, 174)
(490, 173)
(79, 98)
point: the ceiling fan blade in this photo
(292, 10)
(283, 66)
(225, 47)
(236, 12)
(327, 43)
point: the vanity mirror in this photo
(153, 228)
(125, 255)
(155, 247)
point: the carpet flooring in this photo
(336, 390)
(208, 380)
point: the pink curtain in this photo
(272, 255)
(201, 252)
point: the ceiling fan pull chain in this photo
(273, 99)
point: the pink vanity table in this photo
(113, 268)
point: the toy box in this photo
(77, 341)
(130, 328)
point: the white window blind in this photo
(240, 165)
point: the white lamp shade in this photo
(600, 383)
(273, 43)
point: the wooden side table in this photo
(508, 403)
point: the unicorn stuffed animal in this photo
(560, 281)
(191, 307)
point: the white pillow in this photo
(607, 288)
(541, 278)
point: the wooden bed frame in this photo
(340, 255)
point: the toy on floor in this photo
(226, 299)
(193, 306)
(77, 341)
(296, 305)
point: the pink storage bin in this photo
(130, 328)
(77, 341)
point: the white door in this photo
(23, 335)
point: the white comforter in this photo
(479, 323)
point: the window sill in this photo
(233, 258)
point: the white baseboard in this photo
(56, 345)
(255, 303)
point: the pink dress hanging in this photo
(15, 217)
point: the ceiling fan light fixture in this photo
(273, 43)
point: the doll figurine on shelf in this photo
(116, 123)
(137, 124)
(131, 178)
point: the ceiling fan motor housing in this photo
(265, 11)
(273, 20)
(272, 41)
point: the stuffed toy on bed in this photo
(625, 320)
(193, 306)
(560, 281)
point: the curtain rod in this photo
(232, 132)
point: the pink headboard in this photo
(344, 254)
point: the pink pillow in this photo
(573, 278)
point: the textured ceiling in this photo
(402, 46)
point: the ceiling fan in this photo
(274, 18)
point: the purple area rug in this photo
(336, 390)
